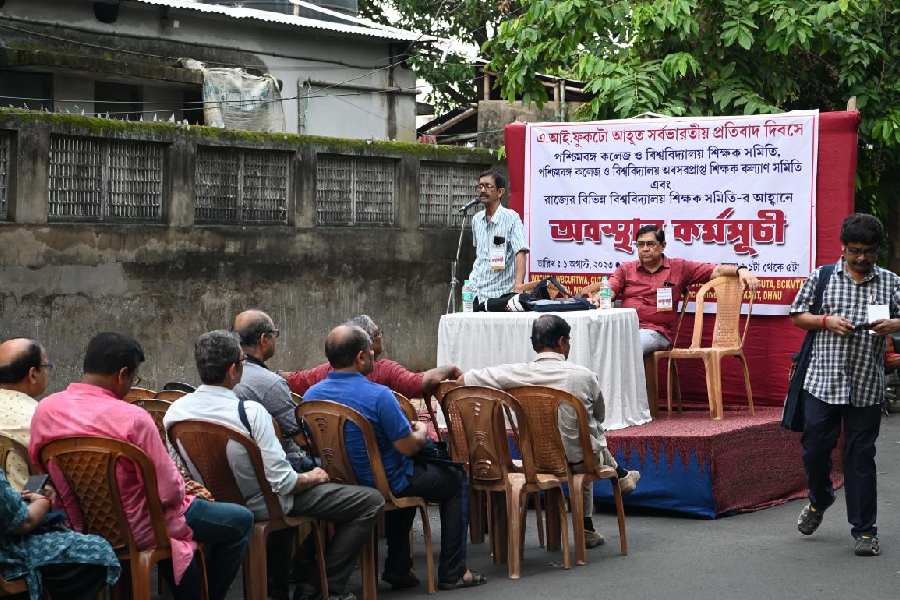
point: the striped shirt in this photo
(506, 224)
(849, 369)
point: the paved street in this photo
(754, 556)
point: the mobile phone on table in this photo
(35, 483)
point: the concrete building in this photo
(340, 75)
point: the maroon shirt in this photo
(387, 372)
(636, 288)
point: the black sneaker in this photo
(809, 520)
(867, 545)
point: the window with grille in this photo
(355, 190)
(241, 186)
(4, 175)
(105, 180)
(443, 189)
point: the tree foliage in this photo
(450, 74)
(715, 57)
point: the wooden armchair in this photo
(204, 444)
(727, 340)
(325, 422)
(139, 393)
(541, 407)
(88, 464)
(478, 414)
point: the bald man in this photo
(258, 336)
(24, 373)
(349, 351)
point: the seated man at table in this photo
(653, 284)
(550, 339)
(352, 509)
(349, 351)
(387, 372)
(95, 408)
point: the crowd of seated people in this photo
(43, 542)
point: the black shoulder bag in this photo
(792, 418)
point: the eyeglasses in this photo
(274, 333)
(647, 244)
(871, 252)
(48, 365)
(485, 186)
(136, 380)
(377, 334)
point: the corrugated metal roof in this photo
(352, 25)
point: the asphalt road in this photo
(756, 556)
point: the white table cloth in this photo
(606, 342)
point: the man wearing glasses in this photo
(652, 285)
(500, 245)
(844, 383)
(24, 373)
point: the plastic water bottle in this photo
(605, 294)
(468, 296)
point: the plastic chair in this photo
(726, 341)
(204, 444)
(157, 409)
(541, 407)
(12, 587)
(10, 447)
(177, 386)
(407, 407)
(478, 412)
(170, 395)
(325, 422)
(138, 393)
(651, 365)
(88, 464)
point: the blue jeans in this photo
(224, 530)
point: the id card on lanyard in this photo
(663, 299)
(497, 255)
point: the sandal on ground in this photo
(477, 579)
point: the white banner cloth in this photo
(606, 342)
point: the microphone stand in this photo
(454, 282)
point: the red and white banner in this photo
(726, 189)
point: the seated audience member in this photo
(550, 339)
(351, 508)
(94, 407)
(386, 372)
(258, 334)
(64, 563)
(24, 372)
(652, 285)
(349, 352)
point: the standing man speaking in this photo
(500, 245)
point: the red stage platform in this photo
(692, 464)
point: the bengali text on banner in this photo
(735, 189)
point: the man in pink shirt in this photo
(653, 284)
(386, 372)
(95, 407)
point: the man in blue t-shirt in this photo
(349, 350)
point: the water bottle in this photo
(605, 294)
(468, 296)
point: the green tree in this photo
(467, 21)
(715, 57)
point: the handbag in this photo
(792, 418)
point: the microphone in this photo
(471, 203)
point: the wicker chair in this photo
(204, 444)
(478, 414)
(139, 393)
(88, 464)
(325, 422)
(541, 407)
(727, 340)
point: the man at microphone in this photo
(500, 246)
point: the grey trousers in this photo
(352, 509)
(604, 459)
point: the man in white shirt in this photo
(24, 373)
(550, 339)
(352, 509)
